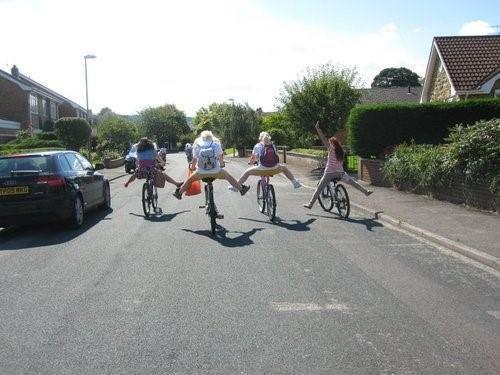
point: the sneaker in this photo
(244, 189)
(232, 188)
(308, 206)
(368, 193)
(179, 184)
(296, 184)
(177, 194)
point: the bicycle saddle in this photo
(208, 179)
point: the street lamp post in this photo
(87, 99)
(232, 123)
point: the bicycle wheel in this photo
(271, 202)
(146, 203)
(325, 198)
(261, 202)
(212, 211)
(342, 201)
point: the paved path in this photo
(307, 294)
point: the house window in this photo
(53, 111)
(34, 104)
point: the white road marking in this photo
(295, 306)
(495, 314)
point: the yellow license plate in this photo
(14, 190)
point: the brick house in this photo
(462, 67)
(28, 105)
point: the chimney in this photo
(15, 71)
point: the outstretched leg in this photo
(242, 188)
(327, 177)
(351, 181)
(249, 172)
(194, 177)
(172, 181)
(131, 179)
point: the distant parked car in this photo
(130, 159)
(47, 186)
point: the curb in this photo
(116, 177)
(457, 247)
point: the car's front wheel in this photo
(76, 219)
(106, 204)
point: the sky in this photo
(192, 53)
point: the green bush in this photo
(48, 136)
(473, 152)
(73, 132)
(417, 167)
(372, 128)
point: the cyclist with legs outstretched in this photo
(208, 160)
(334, 168)
(148, 161)
(265, 155)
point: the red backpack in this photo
(269, 156)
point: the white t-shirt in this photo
(215, 145)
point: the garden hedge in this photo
(373, 128)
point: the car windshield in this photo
(133, 149)
(38, 163)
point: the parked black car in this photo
(55, 185)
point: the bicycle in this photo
(335, 194)
(149, 194)
(266, 197)
(210, 206)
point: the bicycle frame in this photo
(266, 202)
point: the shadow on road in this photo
(47, 234)
(161, 218)
(294, 225)
(367, 222)
(221, 236)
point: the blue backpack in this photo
(269, 156)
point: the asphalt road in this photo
(307, 294)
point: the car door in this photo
(96, 186)
(83, 180)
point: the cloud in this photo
(189, 53)
(476, 28)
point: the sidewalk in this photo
(113, 173)
(471, 232)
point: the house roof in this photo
(470, 60)
(28, 84)
(390, 95)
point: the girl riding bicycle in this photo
(149, 161)
(208, 161)
(334, 167)
(266, 156)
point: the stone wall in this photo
(440, 85)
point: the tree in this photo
(237, 124)
(400, 77)
(325, 94)
(278, 126)
(116, 132)
(164, 124)
(74, 132)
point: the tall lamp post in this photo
(87, 98)
(232, 123)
